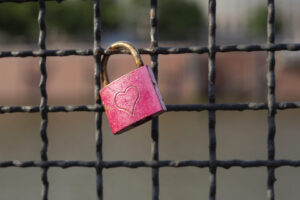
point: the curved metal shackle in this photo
(117, 46)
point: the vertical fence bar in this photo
(271, 98)
(44, 97)
(155, 124)
(211, 96)
(98, 117)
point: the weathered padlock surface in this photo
(132, 99)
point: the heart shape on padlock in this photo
(126, 100)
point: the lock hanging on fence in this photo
(132, 99)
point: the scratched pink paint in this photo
(132, 99)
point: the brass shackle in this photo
(117, 46)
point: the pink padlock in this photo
(133, 98)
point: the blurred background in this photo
(241, 77)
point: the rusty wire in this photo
(44, 98)
(154, 125)
(157, 50)
(154, 51)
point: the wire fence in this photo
(154, 51)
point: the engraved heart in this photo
(126, 100)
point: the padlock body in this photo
(132, 99)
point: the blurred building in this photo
(232, 17)
(241, 76)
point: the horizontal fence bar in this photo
(226, 164)
(158, 50)
(170, 108)
(24, 1)
(34, 109)
(39, 53)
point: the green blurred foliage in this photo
(75, 17)
(71, 17)
(180, 19)
(257, 23)
(18, 20)
(177, 19)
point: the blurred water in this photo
(183, 136)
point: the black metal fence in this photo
(154, 50)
